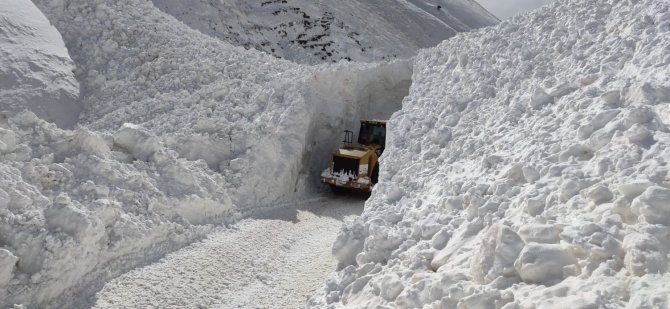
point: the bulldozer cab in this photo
(372, 133)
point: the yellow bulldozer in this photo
(355, 166)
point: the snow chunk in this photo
(653, 205)
(390, 287)
(644, 254)
(611, 98)
(600, 194)
(137, 141)
(535, 206)
(633, 189)
(650, 292)
(539, 99)
(545, 263)
(540, 233)
(7, 141)
(67, 218)
(7, 264)
(650, 93)
(349, 243)
(495, 256)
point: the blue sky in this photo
(507, 8)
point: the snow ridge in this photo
(528, 168)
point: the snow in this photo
(507, 8)
(526, 164)
(271, 260)
(326, 31)
(35, 68)
(528, 168)
(653, 206)
(237, 109)
(544, 263)
(165, 133)
(71, 204)
(136, 141)
(7, 262)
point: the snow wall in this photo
(528, 168)
(36, 71)
(179, 133)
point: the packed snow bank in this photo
(80, 207)
(36, 72)
(528, 168)
(329, 31)
(240, 112)
(73, 201)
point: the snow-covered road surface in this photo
(270, 261)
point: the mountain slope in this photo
(329, 31)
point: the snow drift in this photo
(528, 168)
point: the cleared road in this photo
(270, 261)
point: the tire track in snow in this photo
(271, 261)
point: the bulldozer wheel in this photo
(375, 174)
(337, 190)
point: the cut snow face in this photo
(330, 31)
(528, 168)
(36, 71)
